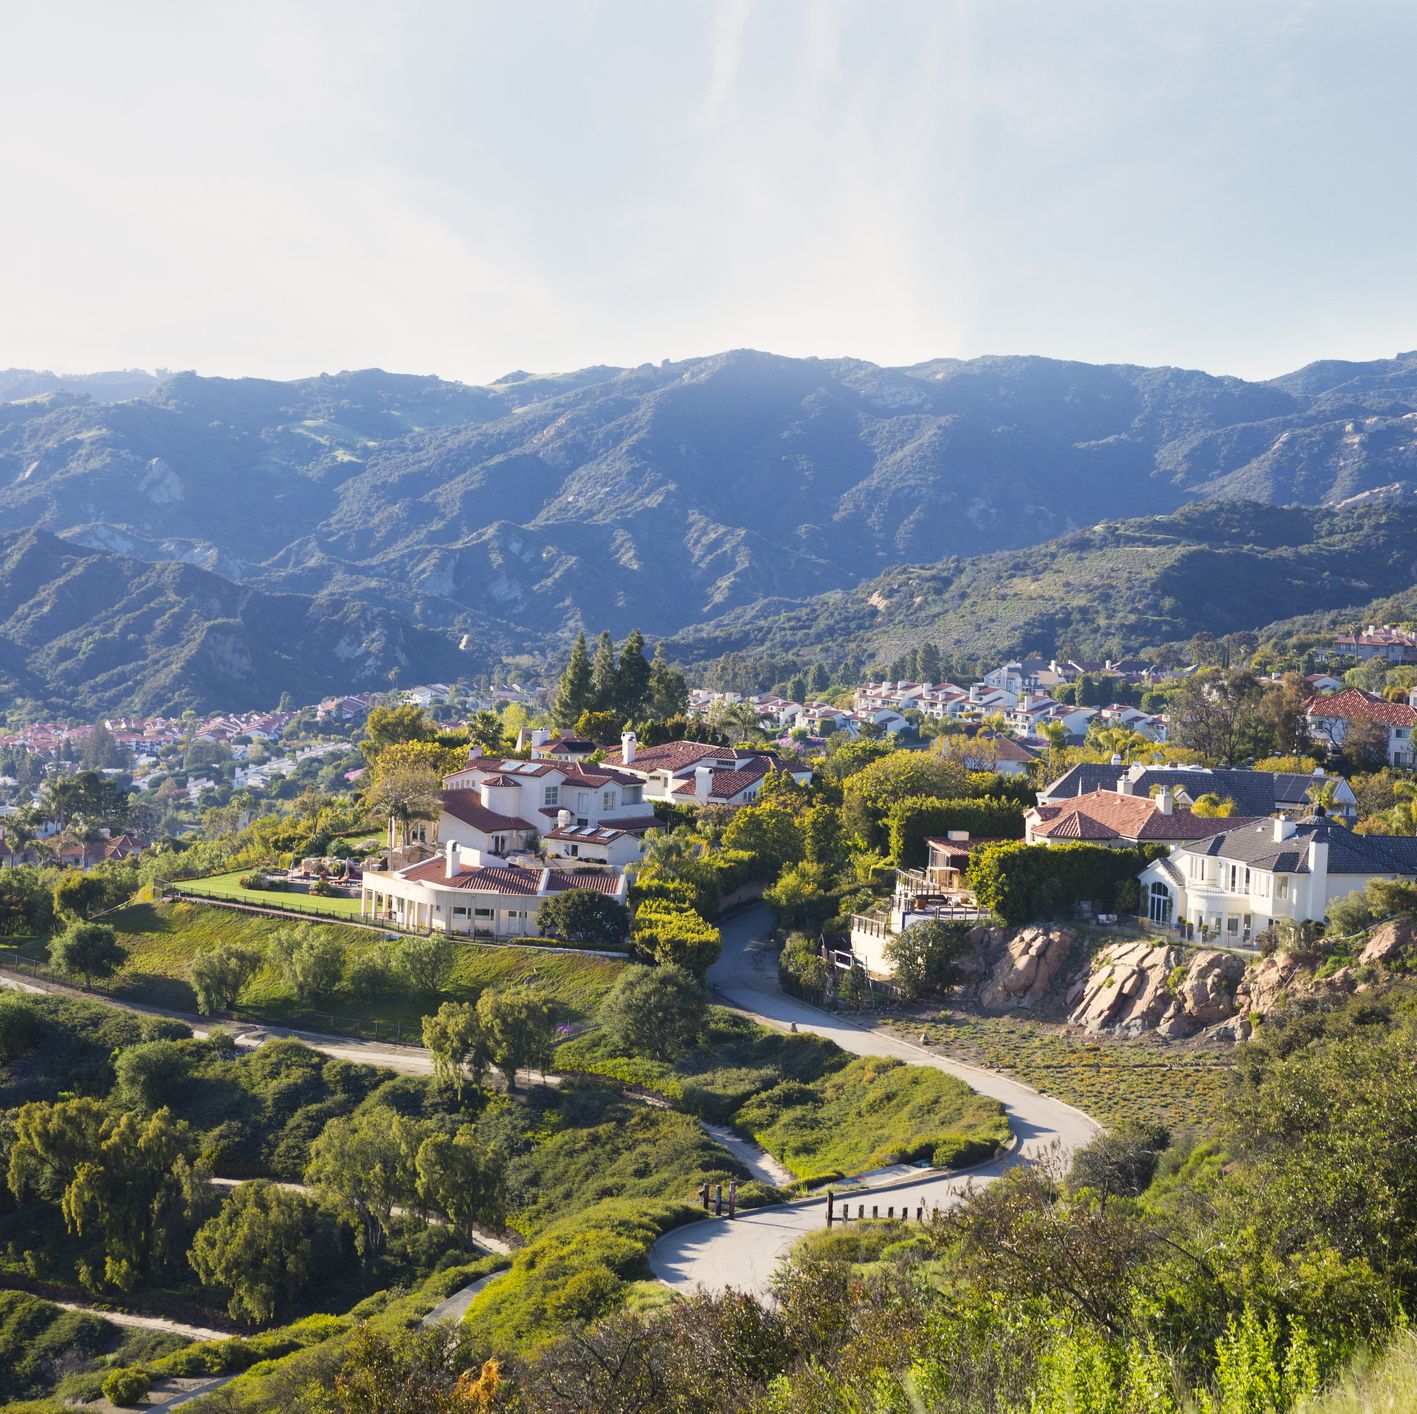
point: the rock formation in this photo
(1031, 961)
(1136, 987)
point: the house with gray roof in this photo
(1242, 880)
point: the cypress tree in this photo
(632, 676)
(573, 694)
(668, 692)
(602, 675)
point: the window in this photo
(607, 800)
(1232, 925)
(1247, 880)
(551, 795)
(482, 913)
(1281, 886)
(582, 801)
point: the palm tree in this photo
(1322, 794)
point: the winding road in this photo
(715, 1253)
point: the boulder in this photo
(1135, 987)
(1032, 959)
(1388, 942)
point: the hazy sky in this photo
(467, 188)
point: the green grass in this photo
(1182, 1086)
(1387, 1385)
(874, 1112)
(162, 938)
(226, 886)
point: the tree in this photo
(149, 1075)
(668, 692)
(654, 1011)
(1283, 713)
(584, 916)
(603, 675)
(485, 730)
(426, 962)
(632, 674)
(405, 782)
(309, 958)
(802, 897)
(79, 893)
(1365, 745)
(869, 794)
(87, 949)
(412, 1372)
(924, 957)
(1122, 1161)
(258, 1247)
(1211, 806)
(574, 692)
(129, 1178)
(603, 728)
(802, 965)
(365, 1162)
(462, 1178)
(770, 834)
(218, 974)
(518, 1028)
(454, 1037)
(671, 933)
(1216, 715)
(388, 726)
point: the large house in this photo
(459, 891)
(692, 773)
(1331, 716)
(1254, 792)
(1386, 641)
(1115, 818)
(1242, 880)
(495, 805)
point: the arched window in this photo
(1159, 903)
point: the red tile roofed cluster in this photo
(1375, 637)
(1355, 705)
(956, 849)
(1110, 815)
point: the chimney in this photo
(1116, 759)
(628, 745)
(564, 819)
(1164, 801)
(539, 737)
(1318, 863)
(1125, 785)
(703, 782)
(1283, 829)
(450, 860)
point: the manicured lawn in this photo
(161, 938)
(1180, 1085)
(226, 886)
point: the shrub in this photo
(1024, 882)
(912, 820)
(252, 881)
(126, 1386)
(584, 916)
(672, 934)
(957, 1151)
(654, 1011)
(321, 888)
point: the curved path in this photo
(745, 1252)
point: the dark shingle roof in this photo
(1347, 853)
(1254, 792)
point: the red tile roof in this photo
(1110, 815)
(1355, 705)
(464, 805)
(508, 879)
(724, 785)
(672, 756)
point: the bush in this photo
(958, 1151)
(924, 957)
(586, 917)
(672, 934)
(252, 881)
(654, 1011)
(126, 1386)
(1021, 883)
(321, 888)
(914, 819)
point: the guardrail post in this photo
(718, 1200)
(732, 1197)
(831, 1202)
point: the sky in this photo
(279, 189)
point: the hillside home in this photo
(1322, 682)
(1255, 793)
(1239, 882)
(1330, 718)
(459, 892)
(1117, 819)
(1386, 641)
(691, 772)
(992, 752)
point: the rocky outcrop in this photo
(1389, 942)
(1031, 961)
(1136, 987)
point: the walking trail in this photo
(744, 1253)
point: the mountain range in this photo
(693, 498)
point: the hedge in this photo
(1024, 882)
(919, 816)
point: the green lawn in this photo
(161, 938)
(226, 886)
